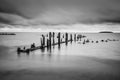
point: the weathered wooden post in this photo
(74, 37)
(66, 38)
(53, 38)
(59, 34)
(43, 39)
(102, 40)
(77, 37)
(87, 41)
(63, 36)
(92, 41)
(96, 41)
(84, 41)
(41, 42)
(50, 36)
(47, 43)
(80, 37)
(18, 50)
(71, 38)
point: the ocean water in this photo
(70, 56)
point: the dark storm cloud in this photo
(26, 8)
(12, 19)
(54, 12)
(5, 7)
(2, 20)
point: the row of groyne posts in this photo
(52, 39)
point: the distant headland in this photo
(106, 32)
(7, 33)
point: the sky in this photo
(80, 15)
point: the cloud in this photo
(64, 28)
(25, 8)
(13, 19)
(52, 14)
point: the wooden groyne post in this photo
(74, 37)
(53, 38)
(80, 37)
(71, 38)
(59, 40)
(47, 43)
(66, 38)
(50, 37)
(43, 40)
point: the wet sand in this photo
(86, 69)
(92, 61)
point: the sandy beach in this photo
(85, 69)
(77, 61)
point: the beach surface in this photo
(77, 61)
